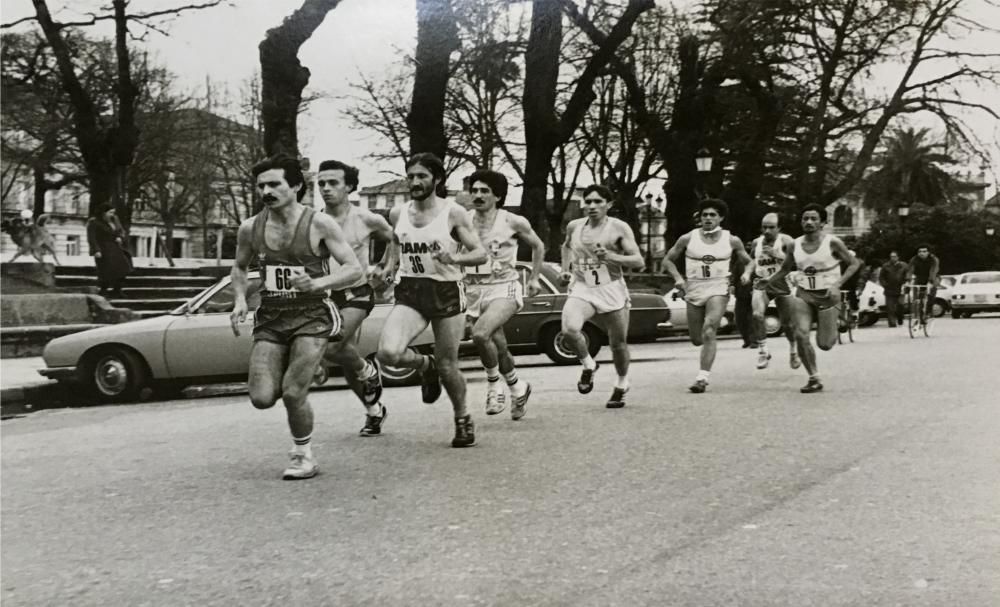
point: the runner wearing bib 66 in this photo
(596, 249)
(428, 232)
(335, 181)
(494, 288)
(292, 245)
(769, 252)
(708, 251)
(816, 258)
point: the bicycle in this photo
(918, 319)
(846, 320)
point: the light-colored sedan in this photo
(193, 344)
(975, 292)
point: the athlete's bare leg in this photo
(267, 368)
(344, 353)
(447, 335)
(401, 327)
(575, 313)
(489, 325)
(696, 321)
(617, 324)
(304, 356)
(715, 309)
(827, 327)
(802, 317)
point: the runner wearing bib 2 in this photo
(708, 251)
(494, 288)
(335, 181)
(428, 232)
(769, 252)
(596, 249)
(816, 258)
(292, 245)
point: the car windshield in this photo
(981, 278)
(947, 281)
(221, 300)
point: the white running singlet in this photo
(707, 260)
(819, 270)
(418, 245)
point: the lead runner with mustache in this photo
(428, 232)
(296, 318)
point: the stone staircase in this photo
(150, 291)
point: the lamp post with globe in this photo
(703, 162)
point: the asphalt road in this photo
(883, 490)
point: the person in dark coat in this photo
(107, 244)
(744, 305)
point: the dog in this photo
(31, 236)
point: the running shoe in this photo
(302, 466)
(465, 432)
(699, 386)
(793, 360)
(762, 360)
(371, 388)
(495, 403)
(586, 383)
(814, 385)
(430, 382)
(373, 423)
(519, 402)
(617, 400)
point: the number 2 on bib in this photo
(597, 276)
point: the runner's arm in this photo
(839, 250)
(528, 236)
(675, 252)
(743, 256)
(632, 258)
(475, 253)
(348, 271)
(379, 227)
(567, 253)
(244, 254)
(390, 259)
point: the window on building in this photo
(72, 245)
(381, 202)
(400, 199)
(177, 248)
(843, 217)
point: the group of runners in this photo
(445, 262)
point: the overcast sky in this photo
(359, 35)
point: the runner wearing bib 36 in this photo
(708, 251)
(816, 258)
(494, 288)
(428, 232)
(768, 252)
(335, 181)
(597, 247)
(293, 245)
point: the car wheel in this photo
(772, 324)
(867, 319)
(396, 377)
(554, 345)
(938, 308)
(117, 375)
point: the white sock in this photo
(303, 445)
(702, 374)
(493, 379)
(588, 362)
(792, 347)
(762, 344)
(622, 382)
(517, 388)
(367, 372)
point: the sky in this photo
(366, 36)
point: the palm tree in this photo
(910, 172)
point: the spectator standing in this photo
(891, 276)
(106, 238)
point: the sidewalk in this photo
(21, 383)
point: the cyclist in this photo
(923, 270)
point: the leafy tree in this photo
(911, 172)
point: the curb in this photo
(32, 397)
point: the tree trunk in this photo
(437, 38)
(283, 77)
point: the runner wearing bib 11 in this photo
(596, 249)
(428, 232)
(494, 289)
(769, 251)
(335, 181)
(815, 258)
(296, 318)
(708, 251)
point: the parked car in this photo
(872, 300)
(537, 327)
(975, 292)
(193, 344)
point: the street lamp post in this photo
(990, 230)
(648, 236)
(903, 211)
(703, 162)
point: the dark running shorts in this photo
(782, 289)
(818, 300)
(362, 298)
(432, 298)
(282, 324)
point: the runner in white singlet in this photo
(816, 257)
(494, 289)
(708, 251)
(335, 181)
(428, 232)
(596, 249)
(769, 251)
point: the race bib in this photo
(812, 279)
(484, 269)
(278, 279)
(595, 273)
(419, 263)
